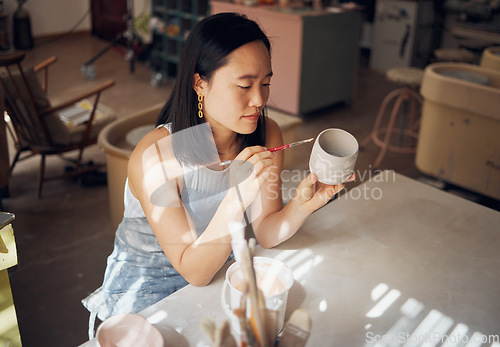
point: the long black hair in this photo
(207, 49)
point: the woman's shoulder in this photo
(153, 149)
(158, 137)
(152, 155)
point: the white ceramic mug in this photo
(274, 279)
(333, 156)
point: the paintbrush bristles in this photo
(300, 142)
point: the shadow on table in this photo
(174, 337)
(296, 298)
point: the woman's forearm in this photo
(281, 225)
(201, 260)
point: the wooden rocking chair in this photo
(35, 124)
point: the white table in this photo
(392, 257)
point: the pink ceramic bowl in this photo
(128, 330)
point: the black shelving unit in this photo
(177, 18)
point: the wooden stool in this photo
(458, 55)
(411, 77)
(490, 58)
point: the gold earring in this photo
(200, 106)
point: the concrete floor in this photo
(64, 238)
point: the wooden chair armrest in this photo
(44, 65)
(94, 91)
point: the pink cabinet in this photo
(314, 54)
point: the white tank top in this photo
(202, 192)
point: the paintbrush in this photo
(256, 316)
(243, 255)
(279, 148)
(293, 144)
(247, 335)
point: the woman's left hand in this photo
(312, 194)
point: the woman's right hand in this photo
(312, 194)
(248, 172)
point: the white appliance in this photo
(402, 34)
